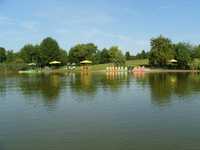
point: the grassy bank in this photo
(14, 68)
(98, 67)
(101, 67)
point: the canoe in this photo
(29, 71)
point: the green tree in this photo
(183, 55)
(49, 51)
(29, 54)
(116, 56)
(63, 57)
(81, 52)
(142, 55)
(196, 52)
(128, 55)
(10, 56)
(105, 57)
(162, 50)
(2, 55)
(38, 56)
(97, 57)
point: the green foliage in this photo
(142, 55)
(11, 56)
(162, 50)
(137, 62)
(195, 64)
(2, 55)
(127, 55)
(97, 57)
(63, 57)
(44, 53)
(82, 52)
(29, 53)
(196, 52)
(49, 51)
(183, 55)
(14, 67)
(90, 52)
(105, 57)
(116, 56)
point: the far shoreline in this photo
(61, 71)
(170, 71)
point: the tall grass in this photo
(12, 67)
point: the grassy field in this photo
(137, 62)
(95, 68)
(12, 67)
(128, 63)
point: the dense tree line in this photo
(90, 51)
(8, 56)
(2, 54)
(162, 51)
(49, 50)
(141, 55)
(42, 54)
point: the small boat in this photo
(29, 71)
(139, 69)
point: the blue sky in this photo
(130, 24)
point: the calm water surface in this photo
(100, 112)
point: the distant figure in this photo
(126, 69)
(107, 69)
(122, 69)
(139, 69)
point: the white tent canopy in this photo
(55, 62)
(173, 61)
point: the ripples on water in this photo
(100, 111)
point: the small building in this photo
(85, 65)
(173, 61)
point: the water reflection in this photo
(115, 80)
(2, 86)
(6, 82)
(88, 83)
(47, 86)
(83, 83)
(162, 86)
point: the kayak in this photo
(29, 71)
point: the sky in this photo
(129, 24)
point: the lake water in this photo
(100, 112)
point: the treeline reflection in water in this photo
(162, 86)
